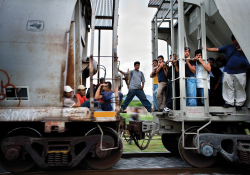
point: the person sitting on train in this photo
(162, 83)
(190, 78)
(200, 66)
(108, 97)
(215, 83)
(169, 92)
(81, 92)
(68, 101)
(154, 75)
(234, 74)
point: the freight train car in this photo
(43, 47)
(200, 133)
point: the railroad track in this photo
(145, 163)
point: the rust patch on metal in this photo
(8, 84)
(58, 126)
(71, 59)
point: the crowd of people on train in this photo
(225, 82)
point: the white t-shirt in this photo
(199, 74)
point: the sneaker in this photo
(166, 109)
(122, 111)
(160, 110)
(238, 108)
(227, 106)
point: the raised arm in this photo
(191, 67)
(207, 66)
(122, 72)
(214, 49)
(97, 94)
(159, 68)
(153, 74)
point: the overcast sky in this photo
(134, 41)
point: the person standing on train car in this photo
(190, 81)
(154, 75)
(136, 86)
(200, 66)
(68, 101)
(234, 81)
(162, 83)
(81, 92)
(215, 84)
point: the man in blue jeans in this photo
(190, 81)
(155, 83)
(136, 86)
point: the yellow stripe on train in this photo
(105, 114)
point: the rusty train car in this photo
(43, 47)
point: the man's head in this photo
(220, 61)
(81, 90)
(235, 42)
(68, 91)
(107, 86)
(137, 65)
(102, 80)
(155, 63)
(198, 54)
(170, 57)
(211, 60)
(187, 51)
(160, 59)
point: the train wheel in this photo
(107, 158)
(190, 155)
(16, 159)
(170, 142)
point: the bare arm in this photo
(142, 85)
(159, 68)
(216, 86)
(215, 49)
(153, 74)
(192, 68)
(77, 104)
(165, 69)
(122, 72)
(97, 94)
(176, 66)
(207, 66)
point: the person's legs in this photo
(161, 97)
(155, 100)
(142, 97)
(200, 93)
(129, 98)
(240, 85)
(228, 88)
(155, 86)
(191, 92)
(86, 104)
(169, 95)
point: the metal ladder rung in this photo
(191, 133)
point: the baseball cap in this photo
(67, 89)
(81, 87)
(187, 48)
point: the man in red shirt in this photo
(81, 92)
